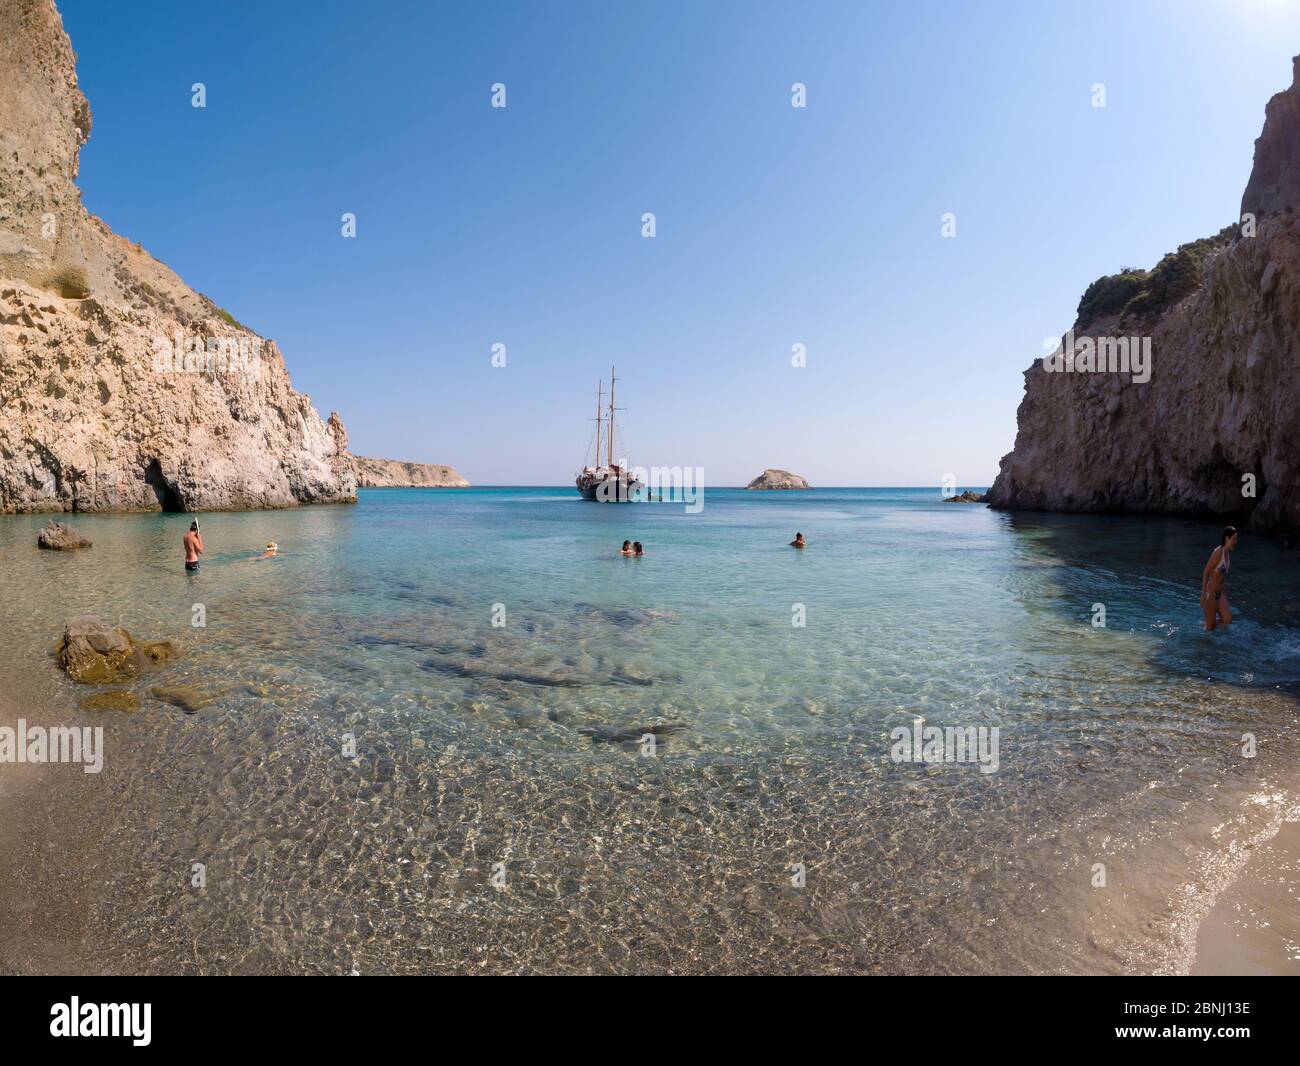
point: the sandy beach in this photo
(46, 880)
(1254, 927)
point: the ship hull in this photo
(609, 489)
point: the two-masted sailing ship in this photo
(607, 483)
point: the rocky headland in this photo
(393, 473)
(1215, 431)
(121, 388)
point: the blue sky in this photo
(775, 225)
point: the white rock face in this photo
(393, 473)
(95, 414)
(1216, 430)
(778, 479)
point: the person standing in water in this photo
(1214, 582)
(798, 541)
(193, 547)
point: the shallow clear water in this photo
(519, 744)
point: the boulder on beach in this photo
(778, 479)
(968, 497)
(60, 538)
(97, 654)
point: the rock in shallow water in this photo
(117, 700)
(98, 654)
(188, 698)
(608, 734)
(60, 538)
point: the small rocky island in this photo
(395, 474)
(969, 496)
(778, 479)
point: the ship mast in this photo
(611, 418)
(600, 385)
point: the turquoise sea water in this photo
(520, 744)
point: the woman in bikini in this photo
(1214, 582)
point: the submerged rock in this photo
(624, 617)
(188, 698)
(484, 669)
(778, 479)
(608, 734)
(118, 700)
(630, 674)
(60, 538)
(94, 653)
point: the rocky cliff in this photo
(393, 473)
(1215, 430)
(120, 387)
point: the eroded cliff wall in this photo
(120, 387)
(1216, 429)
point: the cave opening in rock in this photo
(168, 498)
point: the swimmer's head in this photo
(627, 544)
(1229, 536)
(194, 528)
(273, 547)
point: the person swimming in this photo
(626, 549)
(637, 550)
(193, 542)
(271, 550)
(1214, 582)
(798, 541)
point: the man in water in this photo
(798, 541)
(626, 549)
(193, 547)
(637, 550)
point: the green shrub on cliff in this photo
(1111, 293)
(1149, 292)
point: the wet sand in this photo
(46, 819)
(1254, 927)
